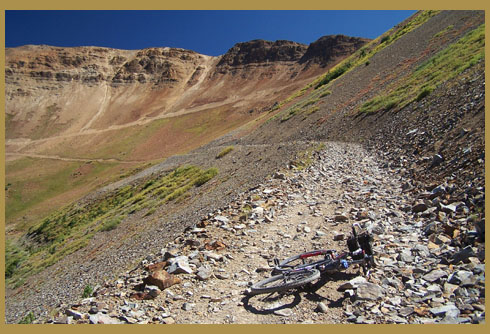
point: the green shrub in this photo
(150, 212)
(14, 256)
(310, 102)
(149, 183)
(206, 176)
(385, 39)
(424, 92)
(379, 103)
(312, 110)
(28, 319)
(224, 152)
(325, 93)
(391, 104)
(337, 72)
(291, 113)
(110, 224)
(88, 291)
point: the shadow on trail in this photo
(309, 291)
(271, 298)
(312, 295)
(325, 278)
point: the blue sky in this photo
(207, 32)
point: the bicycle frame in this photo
(295, 275)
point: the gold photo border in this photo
(219, 5)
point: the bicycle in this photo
(295, 271)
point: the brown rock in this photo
(162, 279)
(202, 224)
(419, 207)
(216, 245)
(421, 311)
(341, 218)
(139, 296)
(156, 266)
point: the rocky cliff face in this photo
(54, 91)
(324, 51)
(328, 49)
(92, 65)
(158, 65)
(260, 51)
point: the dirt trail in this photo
(56, 157)
(289, 215)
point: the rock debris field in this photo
(429, 255)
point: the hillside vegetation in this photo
(445, 65)
(70, 229)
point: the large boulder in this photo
(161, 279)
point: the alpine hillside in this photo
(154, 186)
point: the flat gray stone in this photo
(406, 311)
(75, 314)
(405, 257)
(352, 284)
(101, 318)
(204, 273)
(446, 310)
(284, 312)
(180, 265)
(462, 278)
(369, 291)
(188, 306)
(222, 219)
(398, 319)
(434, 275)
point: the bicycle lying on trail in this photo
(304, 268)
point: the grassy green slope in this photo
(445, 65)
(71, 228)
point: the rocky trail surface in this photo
(430, 255)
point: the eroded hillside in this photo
(86, 116)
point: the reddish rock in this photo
(162, 279)
(216, 245)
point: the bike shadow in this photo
(309, 291)
(270, 299)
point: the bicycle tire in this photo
(278, 283)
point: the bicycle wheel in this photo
(284, 281)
